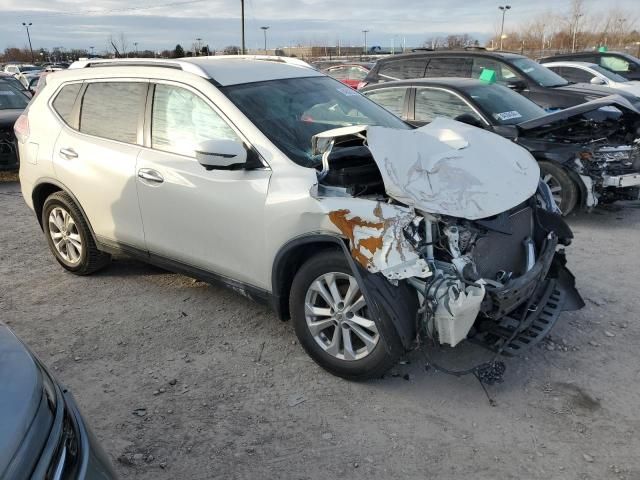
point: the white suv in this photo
(296, 190)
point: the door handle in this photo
(68, 153)
(150, 175)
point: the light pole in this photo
(365, 40)
(504, 12)
(575, 30)
(27, 25)
(135, 44)
(242, 18)
(264, 30)
(92, 50)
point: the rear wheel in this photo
(334, 324)
(563, 188)
(69, 237)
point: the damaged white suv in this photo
(296, 190)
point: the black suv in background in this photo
(621, 63)
(538, 83)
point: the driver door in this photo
(208, 219)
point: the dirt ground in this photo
(181, 379)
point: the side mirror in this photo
(507, 131)
(470, 120)
(597, 81)
(221, 154)
(517, 85)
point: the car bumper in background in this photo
(621, 181)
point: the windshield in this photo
(503, 105)
(539, 74)
(29, 69)
(13, 81)
(608, 73)
(291, 111)
(11, 98)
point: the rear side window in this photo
(65, 100)
(432, 103)
(390, 98)
(449, 67)
(113, 110)
(403, 69)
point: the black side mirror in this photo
(469, 120)
(517, 85)
(506, 131)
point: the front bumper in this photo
(621, 181)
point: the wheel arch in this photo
(43, 189)
(290, 258)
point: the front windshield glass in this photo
(291, 111)
(539, 74)
(608, 73)
(13, 81)
(10, 98)
(30, 69)
(503, 105)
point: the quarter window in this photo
(181, 120)
(113, 110)
(65, 100)
(432, 103)
(390, 98)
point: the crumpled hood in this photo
(578, 111)
(454, 169)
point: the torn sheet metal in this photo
(376, 238)
(451, 168)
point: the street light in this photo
(365, 40)
(242, 18)
(92, 50)
(264, 30)
(575, 29)
(135, 44)
(27, 25)
(504, 11)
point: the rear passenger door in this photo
(96, 151)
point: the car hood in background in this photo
(451, 168)
(21, 391)
(617, 101)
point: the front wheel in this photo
(563, 189)
(334, 324)
(69, 237)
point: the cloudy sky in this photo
(160, 24)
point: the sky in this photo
(161, 24)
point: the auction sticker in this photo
(507, 115)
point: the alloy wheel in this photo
(554, 186)
(338, 319)
(65, 235)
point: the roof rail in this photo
(178, 64)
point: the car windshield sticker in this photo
(349, 92)
(507, 115)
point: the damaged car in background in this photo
(588, 154)
(372, 236)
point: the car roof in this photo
(569, 63)
(223, 69)
(456, 53)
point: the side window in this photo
(403, 69)
(615, 64)
(65, 100)
(181, 120)
(503, 73)
(449, 67)
(113, 110)
(390, 98)
(432, 103)
(575, 75)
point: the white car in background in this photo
(292, 188)
(584, 72)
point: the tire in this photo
(563, 188)
(369, 355)
(74, 247)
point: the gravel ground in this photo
(181, 379)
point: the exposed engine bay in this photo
(598, 140)
(479, 255)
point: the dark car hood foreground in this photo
(9, 117)
(21, 390)
(577, 111)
